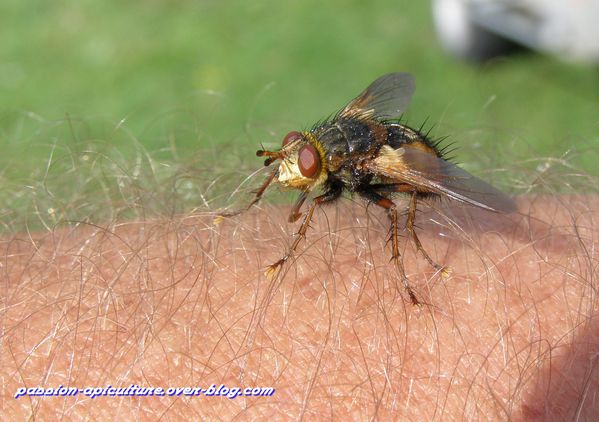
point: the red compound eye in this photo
(308, 161)
(291, 136)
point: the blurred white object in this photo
(478, 29)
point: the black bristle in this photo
(422, 126)
(438, 144)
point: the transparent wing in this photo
(385, 98)
(429, 173)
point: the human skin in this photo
(511, 334)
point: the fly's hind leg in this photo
(328, 196)
(445, 271)
(407, 188)
(391, 208)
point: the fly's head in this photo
(302, 161)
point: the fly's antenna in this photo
(277, 155)
(272, 156)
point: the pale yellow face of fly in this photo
(302, 162)
(289, 174)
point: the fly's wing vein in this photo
(385, 98)
(429, 173)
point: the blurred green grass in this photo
(211, 80)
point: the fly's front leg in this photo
(391, 208)
(295, 213)
(257, 197)
(329, 196)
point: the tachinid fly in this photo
(363, 149)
